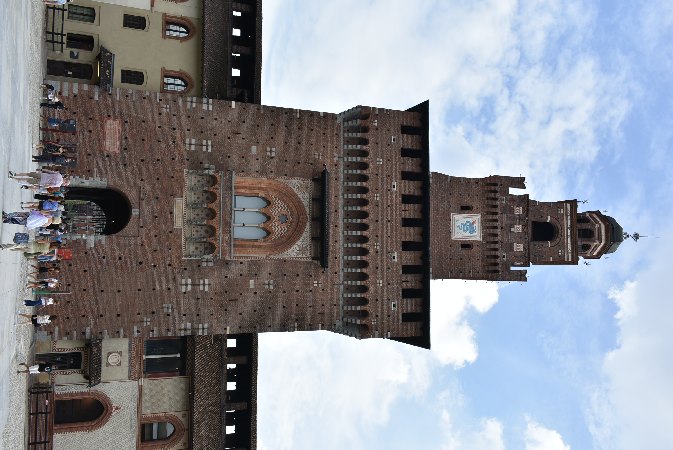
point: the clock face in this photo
(466, 227)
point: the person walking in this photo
(42, 270)
(38, 320)
(40, 247)
(43, 205)
(43, 283)
(15, 218)
(59, 160)
(43, 178)
(53, 105)
(40, 302)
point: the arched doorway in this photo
(98, 211)
(543, 231)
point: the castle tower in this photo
(481, 231)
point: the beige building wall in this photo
(188, 8)
(119, 429)
(148, 51)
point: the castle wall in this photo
(144, 281)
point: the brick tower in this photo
(480, 231)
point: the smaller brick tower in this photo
(480, 231)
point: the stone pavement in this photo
(21, 73)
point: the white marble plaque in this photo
(466, 227)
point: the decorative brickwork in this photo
(89, 426)
(283, 201)
(121, 419)
(135, 358)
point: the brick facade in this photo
(145, 281)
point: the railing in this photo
(40, 417)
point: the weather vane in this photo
(634, 236)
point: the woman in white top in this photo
(38, 320)
(43, 178)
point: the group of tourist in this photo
(43, 217)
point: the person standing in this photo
(55, 3)
(40, 302)
(36, 368)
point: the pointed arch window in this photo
(248, 219)
(77, 410)
(177, 82)
(178, 28)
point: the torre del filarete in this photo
(223, 218)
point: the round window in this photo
(282, 218)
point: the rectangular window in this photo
(133, 77)
(81, 13)
(165, 357)
(69, 69)
(79, 41)
(135, 22)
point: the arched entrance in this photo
(543, 231)
(98, 211)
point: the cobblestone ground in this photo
(21, 72)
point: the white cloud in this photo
(487, 436)
(308, 380)
(452, 339)
(537, 437)
(634, 407)
(331, 381)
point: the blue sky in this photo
(575, 96)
